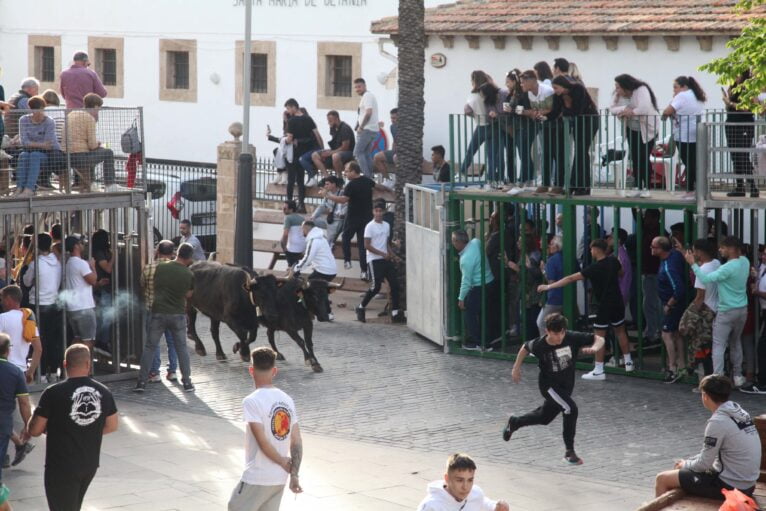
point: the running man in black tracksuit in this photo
(556, 352)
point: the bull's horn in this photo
(282, 279)
(335, 285)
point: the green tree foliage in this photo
(747, 52)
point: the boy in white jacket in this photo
(457, 491)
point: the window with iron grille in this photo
(259, 73)
(106, 65)
(178, 70)
(338, 82)
(45, 67)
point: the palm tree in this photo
(409, 142)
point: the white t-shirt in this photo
(11, 324)
(543, 99)
(711, 288)
(296, 241)
(476, 103)
(687, 109)
(368, 101)
(79, 294)
(275, 410)
(378, 234)
(762, 284)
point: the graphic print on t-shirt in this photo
(86, 405)
(562, 359)
(280, 422)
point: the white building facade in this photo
(182, 61)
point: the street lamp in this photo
(243, 227)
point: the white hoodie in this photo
(438, 499)
(50, 279)
(318, 254)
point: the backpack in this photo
(29, 325)
(131, 143)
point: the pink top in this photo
(76, 82)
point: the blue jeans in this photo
(307, 164)
(172, 356)
(158, 324)
(495, 146)
(525, 133)
(363, 151)
(477, 139)
(28, 168)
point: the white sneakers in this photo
(277, 178)
(388, 183)
(593, 375)
(629, 367)
(515, 190)
(311, 183)
(739, 381)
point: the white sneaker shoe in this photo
(629, 367)
(739, 381)
(347, 265)
(593, 375)
(645, 194)
(388, 183)
(632, 194)
(4, 155)
(277, 179)
(283, 178)
(311, 183)
(515, 190)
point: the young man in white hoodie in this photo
(46, 270)
(457, 491)
(318, 255)
(731, 451)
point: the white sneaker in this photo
(277, 178)
(629, 367)
(515, 190)
(593, 375)
(311, 183)
(4, 155)
(6, 142)
(347, 265)
(645, 194)
(388, 183)
(632, 193)
(283, 178)
(689, 196)
(114, 187)
(739, 381)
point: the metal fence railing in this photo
(633, 157)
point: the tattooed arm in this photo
(296, 454)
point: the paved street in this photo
(385, 388)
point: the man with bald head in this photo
(75, 414)
(164, 253)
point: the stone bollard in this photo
(226, 193)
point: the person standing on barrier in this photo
(382, 264)
(300, 134)
(556, 353)
(472, 281)
(730, 320)
(686, 108)
(477, 111)
(173, 285)
(79, 80)
(604, 276)
(671, 286)
(46, 270)
(740, 131)
(634, 103)
(366, 127)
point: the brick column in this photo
(226, 193)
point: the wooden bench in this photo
(678, 500)
(275, 248)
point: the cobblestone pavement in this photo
(384, 385)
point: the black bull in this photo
(243, 299)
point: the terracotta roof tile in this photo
(580, 17)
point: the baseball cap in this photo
(71, 241)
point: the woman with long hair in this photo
(685, 108)
(577, 105)
(476, 109)
(635, 104)
(544, 72)
(515, 128)
(493, 98)
(740, 131)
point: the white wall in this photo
(448, 87)
(191, 131)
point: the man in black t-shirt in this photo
(556, 352)
(358, 195)
(341, 146)
(303, 135)
(441, 168)
(74, 414)
(604, 276)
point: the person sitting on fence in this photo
(19, 102)
(634, 103)
(731, 317)
(604, 276)
(330, 215)
(477, 110)
(383, 159)
(86, 151)
(672, 292)
(341, 147)
(731, 449)
(37, 135)
(441, 169)
(473, 283)
(457, 491)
